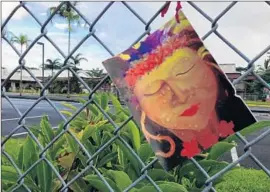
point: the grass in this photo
(244, 180)
(257, 104)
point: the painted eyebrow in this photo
(182, 73)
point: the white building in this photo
(27, 79)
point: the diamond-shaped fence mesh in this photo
(44, 150)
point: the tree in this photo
(241, 69)
(71, 17)
(267, 61)
(75, 61)
(21, 40)
(96, 73)
(53, 64)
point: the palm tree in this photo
(71, 17)
(53, 64)
(265, 68)
(21, 40)
(96, 73)
(77, 60)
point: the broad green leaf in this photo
(125, 111)
(160, 175)
(93, 109)
(46, 129)
(106, 127)
(219, 149)
(90, 147)
(82, 158)
(82, 101)
(45, 177)
(29, 153)
(135, 135)
(20, 158)
(79, 184)
(56, 185)
(97, 98)
(70, 106)
(107, 158)
(59, 130)
(57, 146)
(121, 159)
(74, 146)
(120, 178)
(88, 132)
(145, 152)
(135, 163)
(42, 139)
(117, 105)
(97, 183)
(78, 123)
(10, 175)
(130, 170)
(250, 129)
(10, 149)
(104, 101)
(165, 186)
(35, 129)
(133, 130)
(208, 165)
(105, 137)
(67, 160)
(113, 116)
(66, 113)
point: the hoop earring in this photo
(158, 138)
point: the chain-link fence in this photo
(22, 177)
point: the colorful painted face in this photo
(180, 93)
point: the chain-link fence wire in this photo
(91, 34)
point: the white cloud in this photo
(8, 7)
(49, 4)
(56, 34)
(61, 26)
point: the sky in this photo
(246, 25)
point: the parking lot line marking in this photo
(31, 117)
(234, 155)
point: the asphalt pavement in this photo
(10, 120)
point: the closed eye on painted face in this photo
(153, 88)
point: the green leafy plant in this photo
(41, 177)
(115, 162)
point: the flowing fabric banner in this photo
(182, 100)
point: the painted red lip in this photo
(191, 111)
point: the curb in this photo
(53, 98)
(73, 99)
